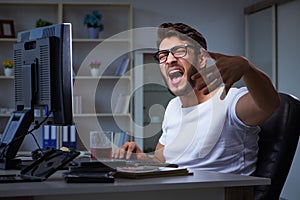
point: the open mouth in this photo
(176, 75)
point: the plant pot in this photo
(93, 32)
(94, 72)
(8, 71)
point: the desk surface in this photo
(55, 185)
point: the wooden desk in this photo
(201, 185)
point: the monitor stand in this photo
(13, 136)
(10, 163)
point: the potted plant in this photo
(42, 23)
(93, 23)
(8, 67)
(94, 67)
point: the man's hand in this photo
(129, 150)
(227, 70)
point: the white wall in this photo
(288, 77)
(222, 22)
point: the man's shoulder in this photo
(233, 92)
(175, 102)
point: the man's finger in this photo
(215, 56)
(226, 89)
(214, 85)
(196, 76)
(201, 86)
(202, 72)
(121, 153)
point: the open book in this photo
(149, 172)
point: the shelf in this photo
(101, 77)
(80, 77)
(102, 115)
(113, 4)
(5, 115)
(99, 40)
(8, 39)
(7, 77)
(76, 40)
(114, 43)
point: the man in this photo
(209, 125)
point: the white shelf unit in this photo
(117, 18)
(153, 97)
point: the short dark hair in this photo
(182, 31)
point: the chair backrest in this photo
(278, 141)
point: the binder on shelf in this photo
(72, 143)
(53, 136)
(121, 69)
(120, 138)
(50, 137)
(59, 136)
(122, 104)
(121, 141)
(117, 136)
(77, 104)
(126, 137)
(69, 137)
(46, 136)
(65, 136)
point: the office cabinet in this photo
(261, 41)
(273, 44)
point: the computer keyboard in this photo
(136, 163)
(113, 163)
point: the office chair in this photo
(278, 141)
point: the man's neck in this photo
(196, 97)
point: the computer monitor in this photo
(43, 85)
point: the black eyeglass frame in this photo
(171, 50)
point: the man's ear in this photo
(202, 60)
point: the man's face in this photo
(177, 71)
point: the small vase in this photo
(93, 32)
(94, 72)
(8, 71)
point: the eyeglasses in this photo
(177, 51)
